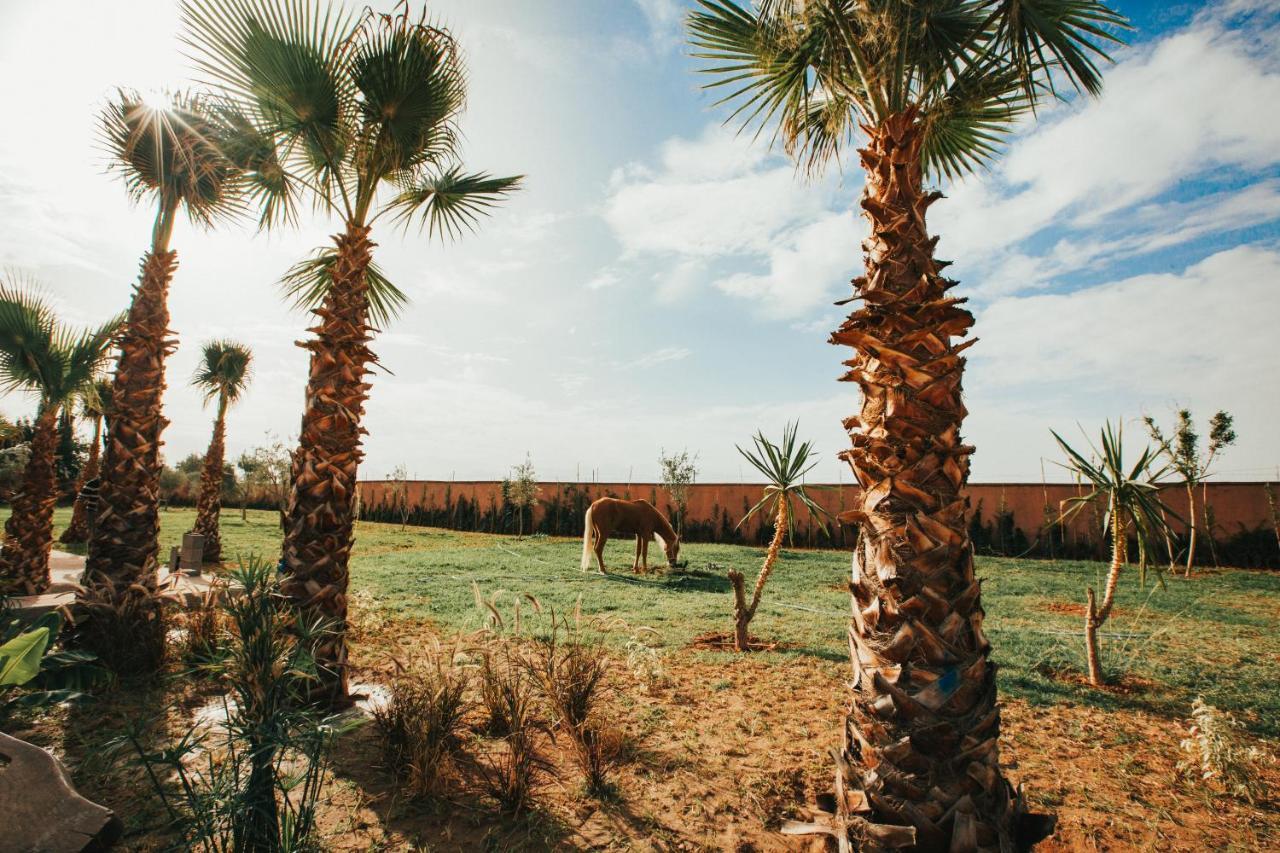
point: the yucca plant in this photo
(362, 114)
(58, 364)
(929, 88)
(1131, 495)
(223, 374)
(783, 467)
(172, 154)
(93, 408)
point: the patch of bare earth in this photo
(718, 753)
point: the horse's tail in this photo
(588, 534)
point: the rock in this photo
(40, 811)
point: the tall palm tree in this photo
(1132, 498)
(173, 155)
(222, 375)
(40, 355)
(783, 466)
(349, 106)
(93, 407)
(930, 87)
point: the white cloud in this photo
(661, 356)
(805, 271)
(1186, 106)
(666, 22)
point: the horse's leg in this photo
(645, 554)
(635, 563)
(601, 538)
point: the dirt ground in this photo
(718, 751)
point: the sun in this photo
(157, 101)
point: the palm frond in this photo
(224, 370)
(308, 281)
(784, 466)
(173, 152)
(451, 201)
(1042, 38)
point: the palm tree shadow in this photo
(458, 820)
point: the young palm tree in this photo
(783, 467)
(40, 355)
(1132, 498)
(172, 155)
(222, 375)
(927, 87)
(93, 407)
(348, 106)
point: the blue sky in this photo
(662, 283)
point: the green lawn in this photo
(1217, 635)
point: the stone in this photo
(40, 810)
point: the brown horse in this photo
(607, 516)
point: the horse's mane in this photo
(663, 529)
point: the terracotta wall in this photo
(1235, 505)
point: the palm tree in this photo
(783, 466)
(1132, 498)
(348, 106)
(931, 87)
(93, 407)
(40, 355)
(172, 155)
(222, 375)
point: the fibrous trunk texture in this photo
(744, 612)
(209, 504)
(78, 529)
(321, 508)
(1094, 616)
(920, 761)
(28, 533)
(1191, 527)
(125, 540)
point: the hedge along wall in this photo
(1006, 518)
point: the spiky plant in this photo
(171, 154)
(1131, 495)
(362, 114)
(783, 467)
(40, 355)
(93, 408)
(223, 374)
(931, 87)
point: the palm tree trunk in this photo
(78, 529)
(920, 763)
(28, 532)
(320, 512)
(1094, 616)
(209, 504)
(743, 612)
(125, 540)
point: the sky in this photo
(662, 282)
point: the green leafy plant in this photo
(522, 490)
(1131, 495)
(34, 674)
(678, 471)
(251, 783)
(783, 466)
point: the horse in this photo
(607, 516)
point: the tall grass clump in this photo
(422, 723)
(251, 782)
(570, 665)
(1215, 755)
(515, 767)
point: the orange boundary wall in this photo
(1235, 505)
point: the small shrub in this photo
(507, 691)
(422, 722)
(1214, 754)
(645, 661)
(127, 628)
(205, 630)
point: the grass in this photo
(1215, 635)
